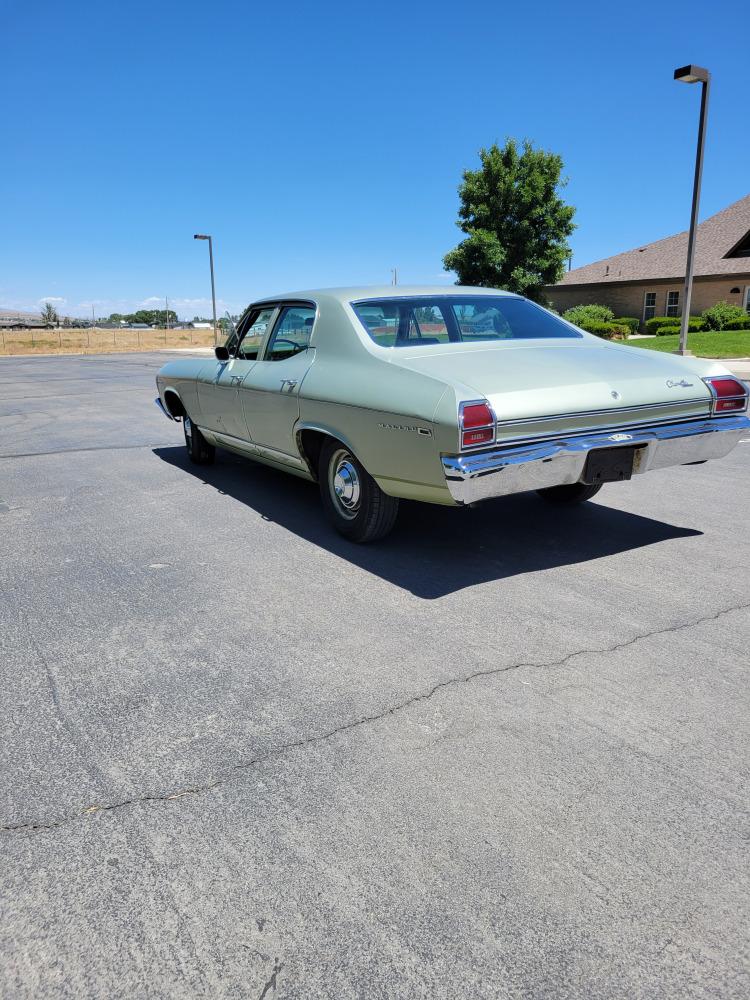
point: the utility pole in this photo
(394, 273)
(166, 303)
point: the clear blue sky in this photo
(322, 144)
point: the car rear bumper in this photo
(560, 461)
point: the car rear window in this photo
(426, 320)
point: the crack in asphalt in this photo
(330, 734)
(271, 984)
(60, 714)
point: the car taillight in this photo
(729, 394)
(477, 424)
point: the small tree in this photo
(49, 315)
(516, 224)
(718, 315)
(588, 314)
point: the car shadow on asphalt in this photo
(433, 550)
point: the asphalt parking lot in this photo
(503, 753)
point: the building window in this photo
(747, 298)
(741, 249)
(649, 306)
(673, 304)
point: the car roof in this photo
(355, 292)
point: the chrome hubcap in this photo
(344, 484)
(188, 428)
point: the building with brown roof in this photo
(649, 281)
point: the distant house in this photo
(20, 320)
(648, 281)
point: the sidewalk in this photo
(738, 366)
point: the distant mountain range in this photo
(18, 313)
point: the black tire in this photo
(574, 493)
(353, 501)
(199, 450)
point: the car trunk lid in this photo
(577, 386)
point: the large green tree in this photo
(516, 224)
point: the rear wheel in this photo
(574, 493)
(353, 501)
(198, 449)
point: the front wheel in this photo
(198, 449)
(574, 493)
(353, 501)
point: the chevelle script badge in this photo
(682, 384)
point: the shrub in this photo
(631, 322)
(738, 324)
(588, 314)
(608, 331)
(695, 324)
(722, 313)
(653, 324)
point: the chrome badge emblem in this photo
(682, 384)
(414, 429)
(615, 394)
(620, 437)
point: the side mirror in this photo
(222, 354)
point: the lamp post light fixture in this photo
(693, 74)
(201, 236)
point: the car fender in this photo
(186, 392)
(321, 428)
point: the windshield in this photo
(447, 319)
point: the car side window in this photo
(254, 334)
(291, 333)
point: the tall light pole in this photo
(200, 236)
(693, 74)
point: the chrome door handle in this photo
(288, 384)
(236, 379)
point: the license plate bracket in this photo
(608, 465)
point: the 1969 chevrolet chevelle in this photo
(445, 395)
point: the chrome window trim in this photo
(250, 313)
(281, 306)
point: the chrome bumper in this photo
(164, 410)
(557, 462)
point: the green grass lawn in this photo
(721, 344)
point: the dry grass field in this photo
(96, 341)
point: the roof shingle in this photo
(667, 258)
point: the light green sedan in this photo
(445, 395)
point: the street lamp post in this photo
(200, 236)
(693, 74)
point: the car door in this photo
(270, 391)
(219, 382)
